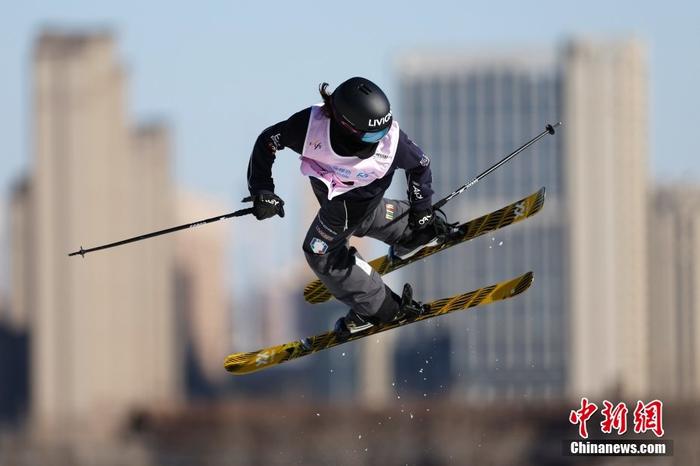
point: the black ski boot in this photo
(410, 308)
(351, 324)
(393, 309)
(434, 234)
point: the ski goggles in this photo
(365, 136)
(374, 136)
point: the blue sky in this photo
(222, 71)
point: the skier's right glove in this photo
(266, 204)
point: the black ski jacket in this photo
(292, 133)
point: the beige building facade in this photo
(674, 292)
(103, 342)
(202, 297)
(606, 93)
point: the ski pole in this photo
(237, 213)
(549, 129)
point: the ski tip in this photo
(514, 287)
(245, 363)
(526, 281)
(537, 201)
(541, 196)
(517, 285)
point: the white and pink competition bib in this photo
(342, 174)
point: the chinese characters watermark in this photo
(646, 417)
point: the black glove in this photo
(419, 219)
(266, 204)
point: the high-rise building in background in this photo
(102, 328)
(15, 311)
(606, 103)
(202, 295)
(577, 330)
(467, 112)
(674, 292)
(21, 234)
(4, 264)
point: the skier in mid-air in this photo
(350, 146)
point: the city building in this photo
(201, 294)
(606, 102)
(102, 327)
(20, 254)
(576, 331)
(674, 283)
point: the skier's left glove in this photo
(421, 218)
(266, 204)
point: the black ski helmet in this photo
(362, 109)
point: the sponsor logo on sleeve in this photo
(274, 143)
(275, 138)
(417, 194)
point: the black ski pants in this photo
(341, 268)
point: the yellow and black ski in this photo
(244, 363)
(315, 292)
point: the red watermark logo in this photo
(647, 417)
